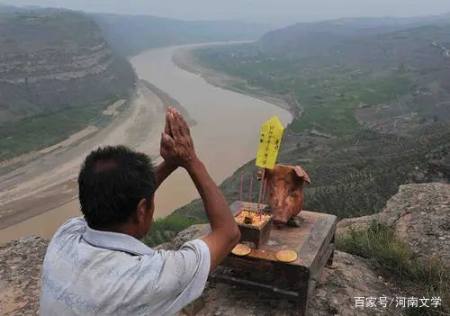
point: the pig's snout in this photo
(280, 217)
(280, 211)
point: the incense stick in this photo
(240, 186)
(261, 190)
(263, 197)
(250, 192)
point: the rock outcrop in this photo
(54, 59)
(419, 215)
(20, 272)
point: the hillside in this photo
(57, 73)
(372, 112)
(130, 35)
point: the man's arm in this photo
(178, 149)
(162, 171)
(225, 233)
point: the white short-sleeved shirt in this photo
(91, 272)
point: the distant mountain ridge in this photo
(307, 39)
(130, 35)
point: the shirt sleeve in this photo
(184, 274)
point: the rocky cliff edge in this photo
(418, 213)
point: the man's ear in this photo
(302, 174)
(141, 210)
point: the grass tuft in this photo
(394, 259)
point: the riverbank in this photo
(185, 59)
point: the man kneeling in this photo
(97, 265)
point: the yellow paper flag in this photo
(269, 143)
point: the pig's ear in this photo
(302, 174)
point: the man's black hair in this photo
(111, 183)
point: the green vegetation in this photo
(356, 175)
(396, 261)
(44, 130)
(327, 93)
(166, 228)
(330, 108)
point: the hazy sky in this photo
(254, 10)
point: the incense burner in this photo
(255, 226)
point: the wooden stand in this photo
(314, 243)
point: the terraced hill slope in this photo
(56, 72)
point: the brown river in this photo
(225, 136)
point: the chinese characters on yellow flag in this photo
(269, 143)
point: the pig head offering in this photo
(285, 186)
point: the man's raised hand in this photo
(177, 147)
